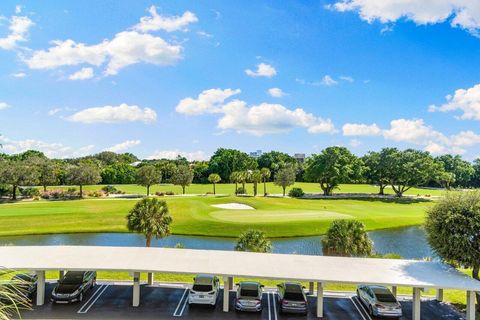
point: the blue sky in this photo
(159, 78)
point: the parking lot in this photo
(110, 300)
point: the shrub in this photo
(296, 193)
(29, 192)
(159, 193)
(4, 190)
(241, 190)
(110, 189)
(170, 193)
(71, 190)
(96, 194)
(53, 194)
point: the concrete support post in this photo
(439, 295)
(470, 305)
(394, 291)
(61, 273)
(230, 283)
(319, 300)
(311, 288)
(40, 287)
(226, 297)
(150, 279)
(416, 304)
(136, 289)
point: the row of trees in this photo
(400, 169)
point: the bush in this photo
(241, 190)
(53, 194)
(296, 193)
(4, 190)
(96, 194)
(159, 193)
(29, 192)
(170, 193)
(71, 190)
(110, 189)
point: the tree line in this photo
(399, 169)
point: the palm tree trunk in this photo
(284, 191)
(183, 189)
(214, 192)
(148, 191)
(45, 188)
(236, 188)
(265, 187)
(81, 191)
(148, 241)
(14, 192)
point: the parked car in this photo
(73, 286)
(205, 290)
(24, 284)
(292, 298)
(249, 296)
(380, 301)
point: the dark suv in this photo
(292, 298)
(73, 286)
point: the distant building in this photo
(256, 154)
(300, 157)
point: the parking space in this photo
(110, 300)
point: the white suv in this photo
(205, 290)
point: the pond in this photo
(409, 242)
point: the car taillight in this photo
(211, 292)
(237, 300)
(381, 306)
(258, 301)
(284, 302)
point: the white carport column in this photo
(226, 292)
(394, 291)
(311, 287)
(40, 287)
(470, 305)
(150, 279)
(136, 289)
(61, 273)
(416, 304)
(439, 295)
(319, 300)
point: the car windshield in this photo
(249, 290)
(385, 297)
(73, 278)
(293, 292)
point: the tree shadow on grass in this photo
(403, 200)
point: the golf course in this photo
(196, 214)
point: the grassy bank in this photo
(195, 215)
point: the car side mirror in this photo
(303, 287)
(262, 286)
(194, 278)
(279, 285)
(237, 284)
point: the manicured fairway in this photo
(271, 188)
(194, 215)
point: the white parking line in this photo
(274, 305)
(180, 304)
(357, 301)
(93, 299)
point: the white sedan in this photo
(205, 290)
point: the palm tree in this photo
(347, 238)
(214, 179)
(253, 241)
(255, 177)
(150, 216)
(235, 177)
(13, 296)
(265, 176)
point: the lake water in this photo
(409, 242)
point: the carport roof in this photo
(409, 273)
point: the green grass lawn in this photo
(194, 215)
(271, 188)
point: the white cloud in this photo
(263, 70)
(347, 78)
(204, 34)
(126, 48)
(18, 9)
(157, 22)
(465, 138)
(413, 131)
(82, 74)
(119, 147)
(461, 13)
(114, 114)
(465, 100)
(360, 129)
(328, 81)
(173, 154)
(18, 28)
(51, 150)
(4, 105)
(355, 143)
(19, 75)
(258, 120)
(53, 112)
(209, 101)
(276, 92)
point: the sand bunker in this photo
(233, 206)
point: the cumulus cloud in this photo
(4, 105)
(360, 129)
(328, 81)
(465, 138)
(157, 22)
(119, 147)
(82, 74)
(276, 92)
(263, 70)
(465, 100)
(173, 154)
(464, 14)
(51, 150)
(114, 114)
(19, 75)
(126, 48)
(258, 119)
(18, 29)
(209, 101)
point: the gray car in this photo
(292, 298)
(249, 296)
(380, 301)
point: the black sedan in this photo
(73, 286)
